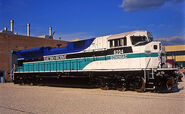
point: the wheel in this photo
(21, 80)
(170, 83)
(142, 85)
(122, 88)
(16, 81)
(106, 87)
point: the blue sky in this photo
(91, 18)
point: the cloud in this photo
(72, 36)
(174, 40)
(137, 5)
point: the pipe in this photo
(5, 29)
(12, 25)
(28, 29)
(50, 31)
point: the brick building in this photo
(10, 42)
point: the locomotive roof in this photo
(70, 48)
(121, 35)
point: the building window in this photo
(180, 63)
(175, 53)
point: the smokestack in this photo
(28, 29)
(11, 25)
(5, 29)
(50, 31)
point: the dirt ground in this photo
(19, 99)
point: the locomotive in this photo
(130, 60)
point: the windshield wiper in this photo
(139, 43)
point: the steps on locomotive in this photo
(150, 84)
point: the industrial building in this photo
(9, 42)
(177, 53)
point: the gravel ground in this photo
(18, 99)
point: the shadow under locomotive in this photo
(66, 82)
(88, 83)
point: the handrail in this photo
(12, 72)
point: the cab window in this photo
(118, 42)
(111, 43)
(138, 39)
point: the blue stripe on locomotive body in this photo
(34, 53)
(71, 47)
(40, 52)
(74, 64)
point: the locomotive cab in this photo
(133, 38)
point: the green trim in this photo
(75, 64)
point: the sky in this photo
(84, 19)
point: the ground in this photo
(19, 99)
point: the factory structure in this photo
(177, 54)
(10, 42)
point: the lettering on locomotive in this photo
(118, 52)
(56, 57)
(119, 56)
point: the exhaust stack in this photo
(28, 29)
(50, 31)
(12, 25)
(5, 29)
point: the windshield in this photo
(138, 39)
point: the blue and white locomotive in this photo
(126, 60)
